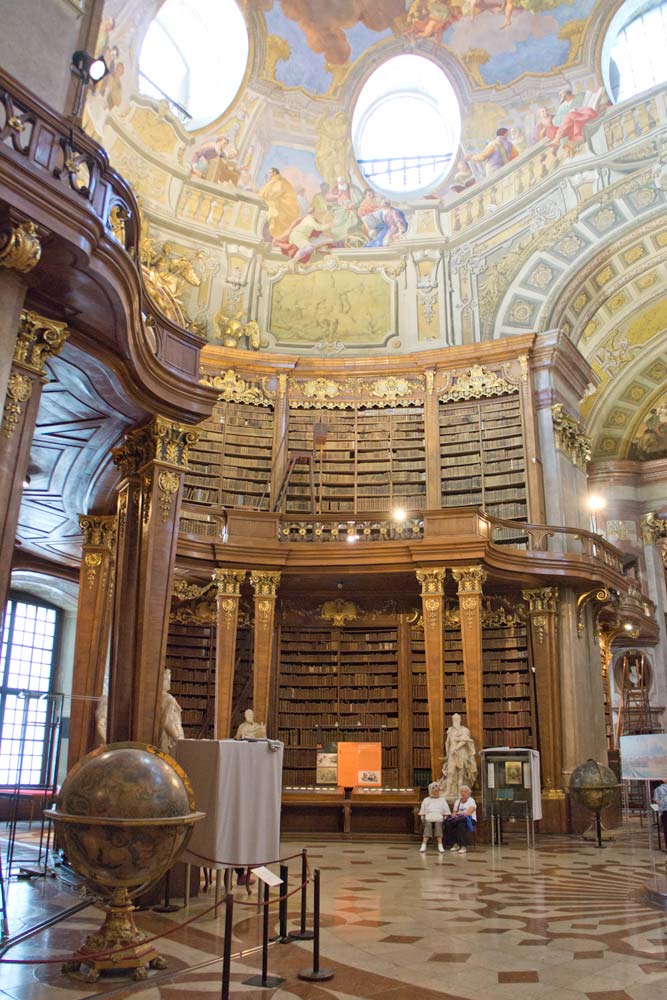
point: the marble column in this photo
(227, 584)
(37, 340)
(20, 251)
(91, 649)
(470, 580)
(432, 584)
(152, 463)
(265, 585)
(543, 633)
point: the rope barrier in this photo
(214, 862)
(149, 940)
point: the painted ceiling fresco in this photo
(503, 38)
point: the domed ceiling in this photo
(262, 233)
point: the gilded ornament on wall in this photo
(168, 483)
(338, 612)
(19, 391)
(92, 560)
(476, 383)
(232, 388)
(569, 437)
(20, 249)
(230, 330)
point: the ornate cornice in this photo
(265, 584)
(228, 581)
(161, 440)
(38, 339)
(352, 393)
(432, 581)
(542, 600)
(653, 527)
(98, 531)
(476, 383)
(20, 249)
(232, 388)
(470, 579)
(569, 437)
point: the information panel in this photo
(359, 765)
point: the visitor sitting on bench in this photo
(461, 822)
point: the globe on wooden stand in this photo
(124, 814)
(594, 786)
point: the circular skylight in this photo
(406, 127)
(195, 55)
(634, 53)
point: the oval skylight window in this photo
(195, 55)
(406, 127)
(634, 52)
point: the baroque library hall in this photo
(333, 488)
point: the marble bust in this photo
(460, 765)
(249, 728)
(171, 728)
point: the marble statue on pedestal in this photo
(171, 728)
(250, 728)
(460, 765)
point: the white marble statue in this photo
(250, 728)
(460, 765)
(102, 713)
(171, 728)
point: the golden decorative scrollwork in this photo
(599, 594)
(38, 338)
(118, 216)
(653, 527)
(20, 249)
(19, 391)
(186, 591)
(338, 612)
(476, 383)
(167, 483)
(321, 388)
(98, 531)
(161, 440)
(233, 389)
(230, 330)
(470, 579)
(569, 437)
(92, 560)
(390, 388)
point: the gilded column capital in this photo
(470, 579)
(265, 584)
(653, 527)
(20, 249)
(99, 531)
(432, 581)
(38, 338)
(162, 440)
(541, 600)
(569, 437)
(228, 581)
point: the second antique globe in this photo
(593, 785)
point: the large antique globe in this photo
(124, 814)
(593, 785)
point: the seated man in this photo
(462, 820)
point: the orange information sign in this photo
(359, 765)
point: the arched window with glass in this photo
(634, 54)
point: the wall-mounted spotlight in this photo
(89, 70)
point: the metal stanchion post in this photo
(316, 974)
(302, 934)
(227, 946)
(265, 980)
(283, 936)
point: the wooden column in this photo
(152, 462)
(228, 592)
(20, 251)
(432, 581)
(543, 625)
(37, 340)
(279, 445)
(470, 580)
(93, 628)
(432, 443)
(534, 480)
(265, 586)
(405, 726)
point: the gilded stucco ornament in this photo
(20, 249)
(167, 483)
(432, 580)
(476, 383)
(470, 579)
(338, 612)
(19, 391)
(653, 527)
(166, 273)
(232, 388)
(230, 330)
(92, 561)
(228, 582)
(161, 440)
(98, 530)
(265, 584)
(569, 437)
(320, 388)
(38, 338)
(390, 388)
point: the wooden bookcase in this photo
(191, 659)
(421, 753)
(482, 458)
(337, 684)
(373, 460)
(508, 696)
(454, 682)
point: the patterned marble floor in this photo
(561, 922)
